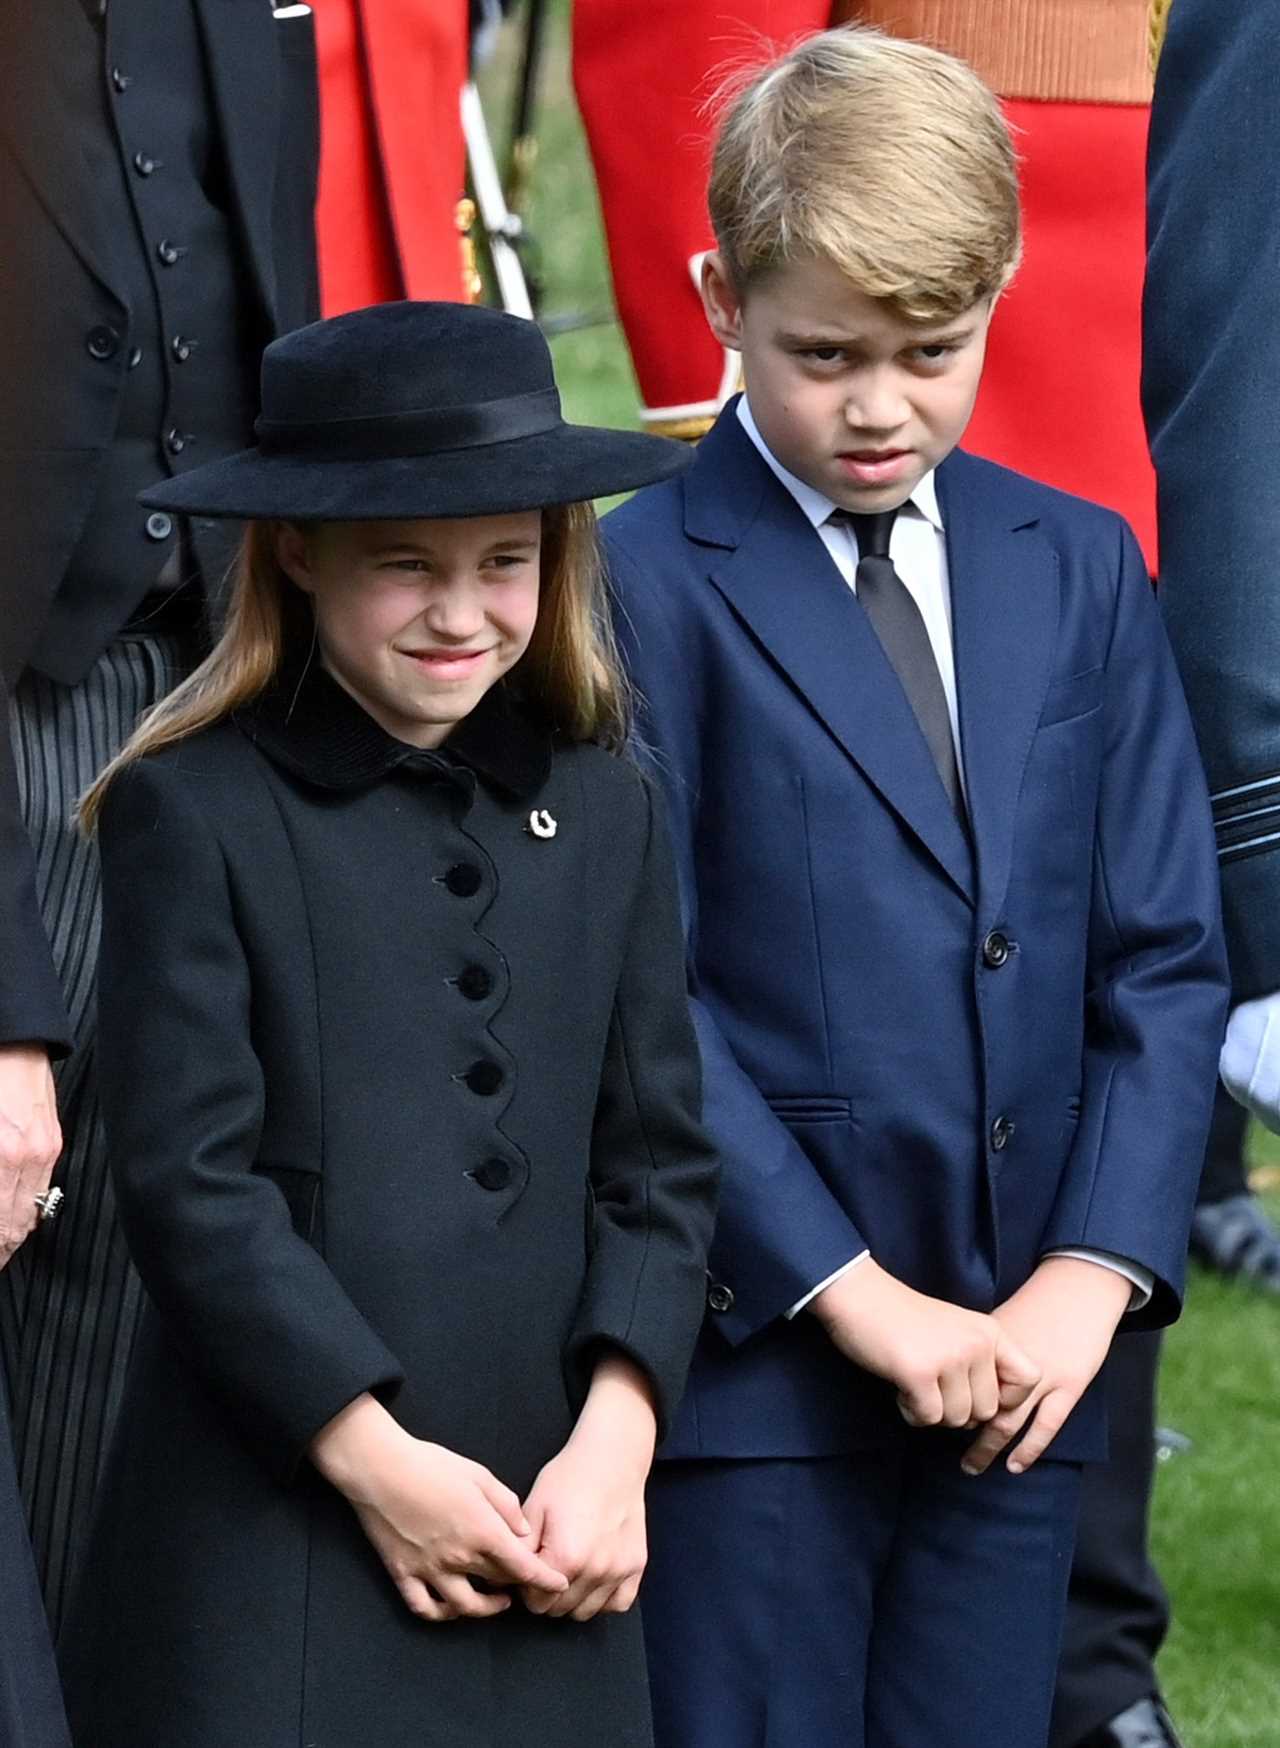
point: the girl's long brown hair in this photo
(570, 668)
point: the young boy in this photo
(953, 945)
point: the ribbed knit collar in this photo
(308, 723)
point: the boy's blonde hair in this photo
(887, 158)
(570, 668)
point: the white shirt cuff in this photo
(1250, 1062)
(1141, 1280)
(822, 1286)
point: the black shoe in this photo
(1145, 1725)
(1236, 1238)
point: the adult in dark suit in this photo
(157, 164)
(1211, 374)
(32, 1025)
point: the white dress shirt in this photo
(918, 549)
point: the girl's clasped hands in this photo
(459, 1544)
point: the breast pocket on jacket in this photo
(1078, 695)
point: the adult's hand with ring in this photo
(30, 1140)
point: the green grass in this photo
(1216, 1531)
(1216, 1528)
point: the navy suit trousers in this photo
(857, 1602)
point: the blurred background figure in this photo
(157, 165)
(392, 163)
(1211, 375)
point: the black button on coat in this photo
(320, 1204)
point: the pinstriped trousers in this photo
(69, 1300)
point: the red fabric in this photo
(1060, 395)
(642, 69)
(392, 159)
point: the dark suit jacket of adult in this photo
(60, 280)
(399, 1096)
(1211, 381)
(960, 1066)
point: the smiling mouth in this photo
(460, 659)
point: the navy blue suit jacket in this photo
(859, 1051)
(1211, 377)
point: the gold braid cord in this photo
(1157, 24)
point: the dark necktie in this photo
(898, 624)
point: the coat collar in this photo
(307, 723)
(1004, 593)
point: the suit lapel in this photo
(240, 52)
(781, 583)
(43, 50)
(1004, 612)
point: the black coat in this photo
(67, 330)
(400, 1097)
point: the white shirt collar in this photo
(815, 505)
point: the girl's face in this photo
(418, 619)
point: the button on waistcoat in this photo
(195, 329)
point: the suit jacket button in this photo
(494, 1174)
(463, 880)
(102, 343)
(119, 80)
(175, 442)
(720, 1297)
(158, 525)
(475, 983)
(995, 950)
(484, 1077)
(167, 253)
(1001, 1134)
(144, 163)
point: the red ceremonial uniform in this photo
(642, 74)
(1060, 395)
(392, 158)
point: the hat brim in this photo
(567, 465)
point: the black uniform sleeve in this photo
(31, 1008)
(1211, 368)
(250, 1302)
(654, 1171)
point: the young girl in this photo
(400, 1090)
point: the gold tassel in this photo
(464, 217)
(1157, 24)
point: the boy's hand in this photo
(437, 1519)
(951, 1367)
(1065, 1317)
(587, 1505)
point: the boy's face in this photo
(418, 619)
(851, 398)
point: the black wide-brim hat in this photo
(411, 410)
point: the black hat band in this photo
(419, 431)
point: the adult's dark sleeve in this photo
(1211, 387)
(31, 1007)
(653, 1169)
(251, 1303)
(297, 168)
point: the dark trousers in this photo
(69, 1301)
(868, 1601)
(1117, 1609)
